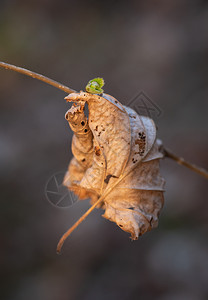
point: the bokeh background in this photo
(157, 46)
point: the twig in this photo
(182, 162)
(43, 78)
(66, 89)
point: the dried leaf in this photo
(82, 149)
(122, 162)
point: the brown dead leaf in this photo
(121, 161)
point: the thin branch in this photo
(184, 163)
(43, 78)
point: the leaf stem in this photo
(43, 78)
(186, 164)
(76, 224)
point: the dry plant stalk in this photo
(116, 158)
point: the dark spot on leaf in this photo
(133, 160)
(132, 208)
(85, 130)
(97, 151)
(82, 123)
(141, 142)
(107, 178)
(83, 159)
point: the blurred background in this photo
(156, 46)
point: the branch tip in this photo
(183, 162)
(34, 75)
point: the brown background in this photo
(159, 47)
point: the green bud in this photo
(95, 85)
